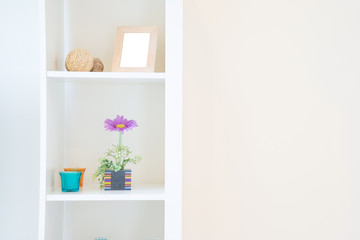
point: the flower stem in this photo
(120, 139)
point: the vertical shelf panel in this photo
(173, 119)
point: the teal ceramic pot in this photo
(70, 181)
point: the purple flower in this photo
(119, 124)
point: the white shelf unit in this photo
(75, 104)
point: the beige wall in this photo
(271, 120)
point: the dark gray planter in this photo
(120, 180)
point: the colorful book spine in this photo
(107, 180)
(128, 180)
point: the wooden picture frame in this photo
(135, 49)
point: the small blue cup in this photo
(70, 181)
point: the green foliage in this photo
(116, 158)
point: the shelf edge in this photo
(106, 75)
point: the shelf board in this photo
(125, 76)
(94, 193)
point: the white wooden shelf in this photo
(150, 77)
(75, 104)
(94, 193)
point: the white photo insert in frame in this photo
(135, 49)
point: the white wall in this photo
(19, 119)
(272, 119)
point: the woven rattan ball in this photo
(98, 66)
(79, 60)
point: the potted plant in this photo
(111, 173)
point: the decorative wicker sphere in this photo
(98, 65)
(79, 60)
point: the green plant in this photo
(116, 158)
